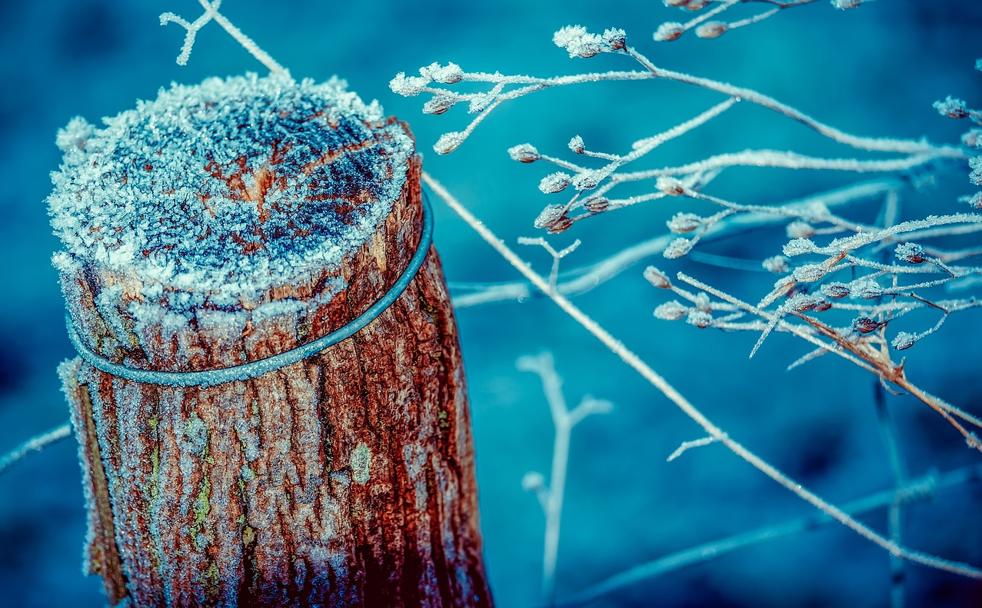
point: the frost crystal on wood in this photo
(227, 188)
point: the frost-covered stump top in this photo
(221, 207)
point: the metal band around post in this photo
(253, 369)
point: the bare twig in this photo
(656, 380)
(34, 444)
(551, 496)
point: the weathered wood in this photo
(345, 479)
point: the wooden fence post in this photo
(221, 224)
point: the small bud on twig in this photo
(554, 182)
(524, 153)
(657, 277)
(712, 29)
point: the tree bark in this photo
(344, 479)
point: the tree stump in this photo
(224, 223)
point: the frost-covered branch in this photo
(672, 394)
(551, 495)
(868, 353)
(586, 278)
(592, 184)
(34, 444)
(557, 256)
(916, 490)
(707, 27)
(211, 14)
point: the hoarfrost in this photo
(227, 188)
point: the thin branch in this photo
(211, 14)
(34, 444)
(551, 497)
(656, 380)
(912, 491)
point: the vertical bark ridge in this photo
(344, 479)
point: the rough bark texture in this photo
(345, 479)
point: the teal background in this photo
(873, 71)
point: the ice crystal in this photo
(229, 187)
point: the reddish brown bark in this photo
(345, 479)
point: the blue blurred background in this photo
(874, 70)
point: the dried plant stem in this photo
(211, 14)
(645, 371)
(34, 444)
(584, 279)
(551, 497)
(910, 492)
(872, 144)
(858, 354)
(894, 514)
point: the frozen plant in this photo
(893, 264)
(707, 24)
(550, 493)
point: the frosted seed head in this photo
(553, 218)
(699, 318)
(677, 248)
(524, 153)
(976, 175)
(554, 182)
(576, 144)
(673, 310)
(866, 325)
(408, 86)
(586, 180)
(903, 340)
(657, 278)
(835, 290)
(697, 5)
(951, 107)
(439, 104)
(670, 186)
(809, 273)
(596, 204)
(972, 139)
(578, 42)
(668, 31)
(799, 246)
(800, 230)
(448, 142)
(844, 5)
(447, 74)
(615, 38)
(974, 200)
(778, 264)
(869, 290)
(912, 253)
(802, 302)
(682, 223)
(711, 29)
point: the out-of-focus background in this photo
(875, 70)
